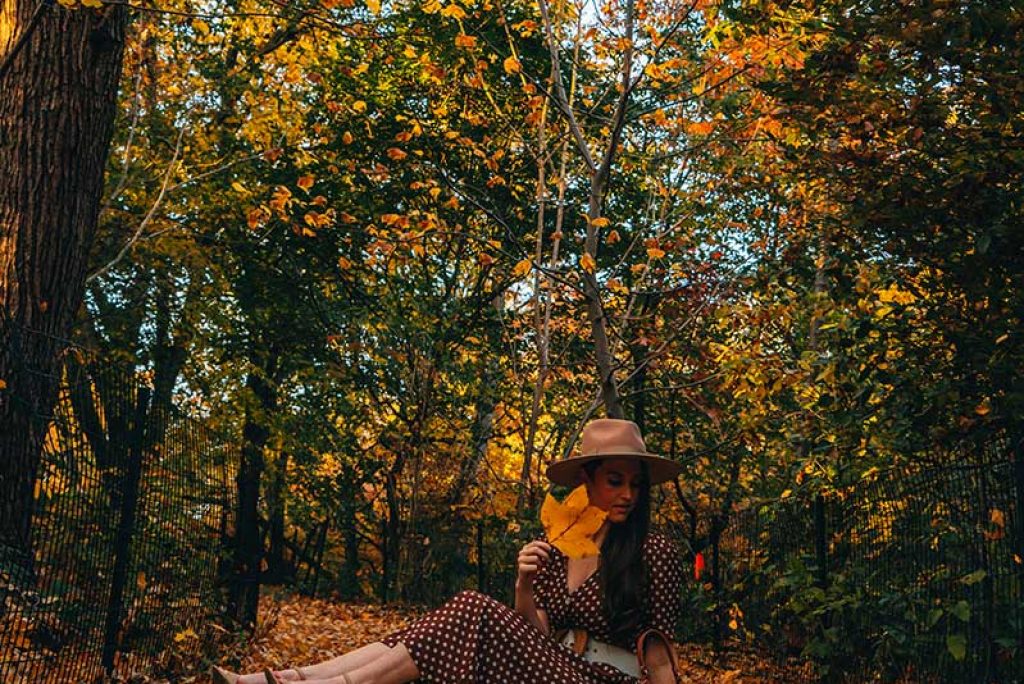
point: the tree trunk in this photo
(245, 594)
(171, 346)
(59, 73)
(348, 580)
(279, 570)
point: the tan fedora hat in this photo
(612, 438)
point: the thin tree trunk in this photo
(542, 342)
(543, 323)
(59, 74)
(170, 349)
(600, 173)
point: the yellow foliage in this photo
(522, 268)
(454, 12)
(571, 524)
(893, 294)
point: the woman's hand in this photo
(531, 558)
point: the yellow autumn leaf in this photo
(3, 384)
(454, 12)
(522, 268)
(655, 252)
(997, 517)
(347, 138)
(464, 41)
(587, 263)
(359, 106)
(186, 634)
(512, 65)
(373, 6)
(92, 3)
(700, 127)
(570, 525)
(396, 154)
(612, 237)
(306, 182)
(600, 222)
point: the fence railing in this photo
(913, 573)
(126, 561)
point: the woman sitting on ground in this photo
(576, 621)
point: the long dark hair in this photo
(623, 572)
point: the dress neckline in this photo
(573, 592)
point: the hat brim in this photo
(566, 472)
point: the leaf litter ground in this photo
(300, 630)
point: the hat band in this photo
(614, 450)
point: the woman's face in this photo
(615, 487)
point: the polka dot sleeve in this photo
(666, 581)
(542, 589)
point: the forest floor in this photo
(296, 630)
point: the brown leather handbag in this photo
(641, 645)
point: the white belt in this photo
(600, 652)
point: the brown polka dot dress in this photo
(475, 639)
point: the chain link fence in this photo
(913, 574)
(126, 564)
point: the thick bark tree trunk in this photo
(245, 594)
(59, 74)
(279, 570)
(348, 581)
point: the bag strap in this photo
(580, 639)
(641, 656)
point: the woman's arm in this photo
(526, 606)
(532, 558)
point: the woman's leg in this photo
(392, 666)
(343, 663)
(326, 669)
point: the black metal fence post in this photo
(820, 541)
(716, 580)
(385, 561)
(481, 571)
(1018, 477)
(125, 529)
